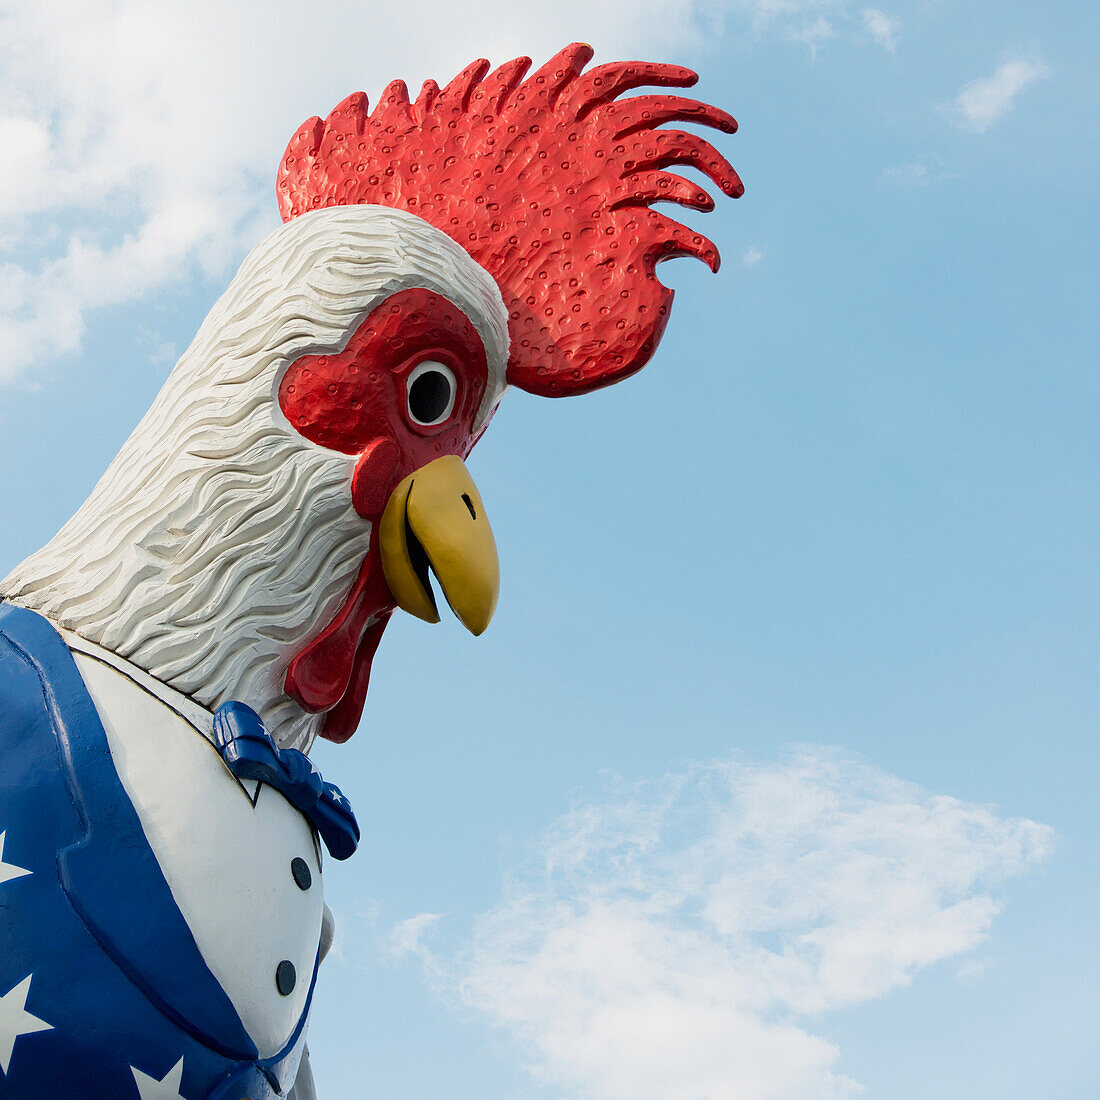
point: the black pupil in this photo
(429, 396)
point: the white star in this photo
(167, 1088)
(8, 870)
(15, 1020)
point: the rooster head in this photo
(546, 182)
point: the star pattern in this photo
(167, 1088)
(8, 871)
(16, 1021)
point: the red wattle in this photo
(342, 721)
(319, 676)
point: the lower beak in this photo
(434, 520)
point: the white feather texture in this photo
(219, 541)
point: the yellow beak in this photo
(435, 520)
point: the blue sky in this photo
(774, 775)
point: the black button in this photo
(285, 977)
(300, 870)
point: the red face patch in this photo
(387, 385)
(404, 391)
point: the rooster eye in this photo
(431, 388)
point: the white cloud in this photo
(815, 33)
(405, 938)
(676, 939)
(883, 28)
(981, 102)
(920, 174)
(766, 12)
(752, 256)
(908, 175)
(974, 970)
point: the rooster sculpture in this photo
(169, 657)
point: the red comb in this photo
(547, 182)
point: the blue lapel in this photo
(110, 874)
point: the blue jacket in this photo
(103, 989)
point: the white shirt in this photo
(243, 865)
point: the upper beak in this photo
(435, 519)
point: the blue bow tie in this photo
(250, 753)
